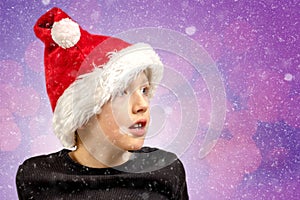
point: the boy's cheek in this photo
(120, 108)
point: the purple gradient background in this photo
(255, 45)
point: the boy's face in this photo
(125, 119)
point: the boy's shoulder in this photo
(44, 160)
(153, 159)
(40, 167)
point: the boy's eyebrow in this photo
(145, 81)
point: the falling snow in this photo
(191, 30)
(46, 2)
(288, 77)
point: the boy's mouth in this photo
(138, 129)
(139, 124)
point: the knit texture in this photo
(149, 174)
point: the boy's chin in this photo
(136, 146)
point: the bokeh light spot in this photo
(25, 101)
(11, 72)
(34, 56)
(10, 137)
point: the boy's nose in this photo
(140, 103)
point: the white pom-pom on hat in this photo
(66, 33)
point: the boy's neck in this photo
(102, 157)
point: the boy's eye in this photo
(145, 90)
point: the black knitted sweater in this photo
(149, 174)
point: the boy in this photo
(99, 88)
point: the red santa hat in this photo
(83, 71)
